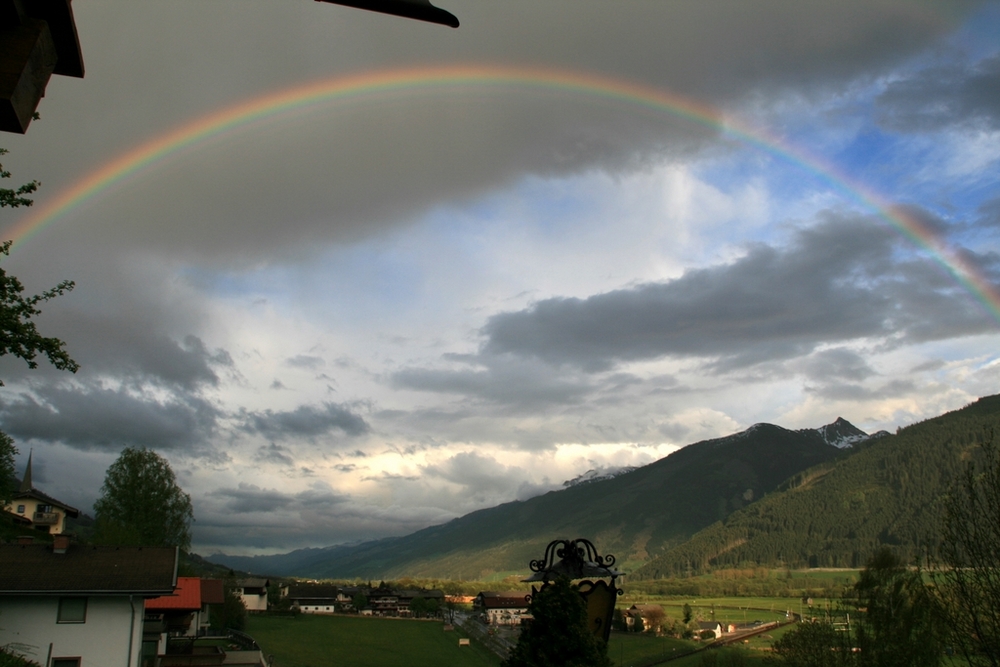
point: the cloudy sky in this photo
(628, 226)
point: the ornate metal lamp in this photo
(578, 559)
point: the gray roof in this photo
(35, 569)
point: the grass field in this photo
(346, 641)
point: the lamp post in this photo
(578, 559)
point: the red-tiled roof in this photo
(187, 596)
(35, 569)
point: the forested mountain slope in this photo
(888, 492)
(633, 516)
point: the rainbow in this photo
(401, 81)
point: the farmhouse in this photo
(501, 608)
(711, 626)
(253, 592)
(33, 508)
(67, 605)
(316, 598)
(651, 615)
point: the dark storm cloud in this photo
(305, 421)
(128, 349)
(837, 281)
(274, 454)
(93, 417)
(836, 391)
(507, 380)
(353, 170)
(838, 363)
(248, 498)
(939, 97)
(484, 477)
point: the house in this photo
(714, 627)
(651, 615)
(253, 592)
(42, 511)
(501, 608)
(183, 613)
(66, 605)
(384, 601)
(316, 598)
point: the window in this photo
(72, 610)
(20, 509)
(65, 662)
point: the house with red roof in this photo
(183, 613)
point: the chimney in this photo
(25, 539)
(60, 543)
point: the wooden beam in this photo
(27, 60)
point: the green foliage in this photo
(886, 493)
(893, 620)
(18, 334)
(231, 614)
(359, 602)
(813, 645)
(10, 659)
(687, 613)
(903, 624)
(558, 635)
(14, 198)
(7, 453)
(969, 583)
(141, 503)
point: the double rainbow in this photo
(401, 81)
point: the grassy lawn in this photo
(346, 641)
(628, 648)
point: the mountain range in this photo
(636, 514)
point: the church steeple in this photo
(26, 480)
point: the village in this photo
(64, 603)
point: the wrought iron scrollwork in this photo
(574, 559)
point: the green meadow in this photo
(352, 641)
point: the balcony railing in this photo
(45, 518)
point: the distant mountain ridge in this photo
(633, 514)
(886, 492)
(597, 475)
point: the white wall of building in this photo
(102, 640)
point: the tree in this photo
(971, 542)
(558, 636)
(902, 623)
(7, 453)
(14, 198)
(359, 602)
(232, 613)
(653, 619)
(141, 503)
(18, 334)
(813, 645)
